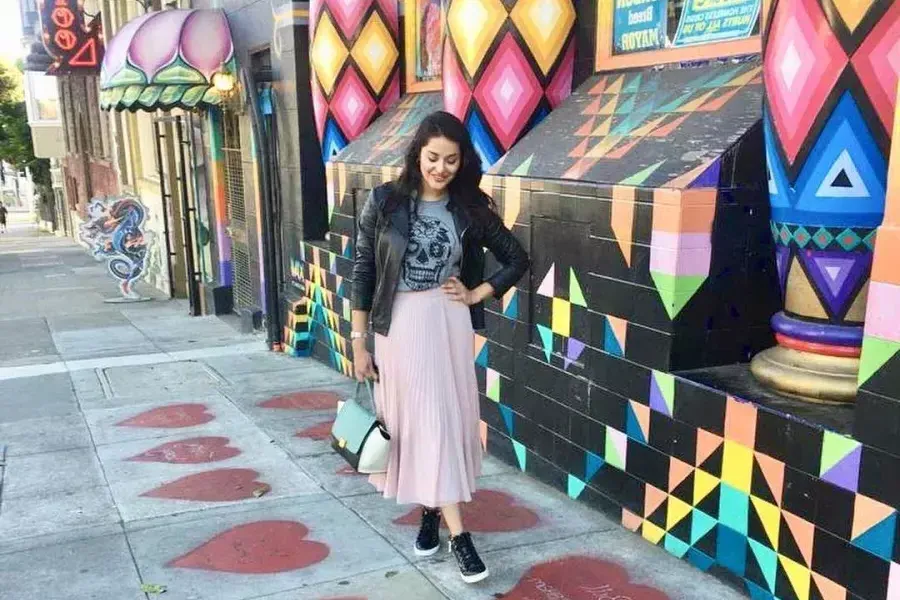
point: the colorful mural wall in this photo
(354, 54)
(616, 370)
(506, 66)
(830, 83)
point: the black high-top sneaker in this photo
(471, 568)
(429, 539)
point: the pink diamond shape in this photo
(561, 86)
(320, 107)
(456, 89)
(352, 105)
(391, 14)
(508, 92)
(803, 61)
(391, 95)
(347, 14)
(877, 62)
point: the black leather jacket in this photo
(381, 244)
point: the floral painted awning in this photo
(167, 59)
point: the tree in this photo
(16, 146)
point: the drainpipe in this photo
(263, 163)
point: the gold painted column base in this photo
(812, 377)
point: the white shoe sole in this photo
(475, 578)
(426, 552)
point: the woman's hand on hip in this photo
(454, 288)
(363, 363)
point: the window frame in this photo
(606, 60)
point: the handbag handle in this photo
(371, 394)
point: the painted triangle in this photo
(782, 256)
(713, 464)
(767, 480)
(548, 285)
(802, 532)
(522, 169)
(576, 295)
(845, 473)
(652, 533)
(592, 464)
(676, 290)
(507, 418)
(699, 559)
(659, 516)
(758, 593)
(676, 512)
(828, 589)
(836, 275)
(575, 487)
(653, 499)
(546, 340)
(798, 575)
(875, 353)
(767, 560)
(521, 453)
(868, 513)
(662, 392)
(678, 472)
(707, 443)
(586, 129)
(710, 504)
(685, 489)
(610, 343)
(641, 176)
(843, 179)
(879, 540)
(675, 546)
(704, 483)
(574, 348)
(770, 517)
(682, 529)
(701, 525)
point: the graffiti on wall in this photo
(115, 232)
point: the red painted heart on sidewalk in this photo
(580, 578)
(256, 548)
(303, 401)
(190, 451)
(316, 432)
(221, 485)
(490, 511)
(172, 416)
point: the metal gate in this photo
(243, 287)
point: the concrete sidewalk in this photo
(140, 446)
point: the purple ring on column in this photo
(838, 335)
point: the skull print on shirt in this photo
(427, 254)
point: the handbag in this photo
(359, 436)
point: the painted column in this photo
(506, 66)
(830, 75)
(354, 55)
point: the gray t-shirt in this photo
(433, 253)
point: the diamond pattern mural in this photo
(506, 65)
(354, 55)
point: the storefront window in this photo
(633, 33)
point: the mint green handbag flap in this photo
(352, 425)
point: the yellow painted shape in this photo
(328, 53)
(737, 466)
(473, 25)
(798, 575)
(375, 52)
(562, 316)
(852, 11)
(676, 511)
(770, 515)
(512, 200)
(704, 484)
(545, 26)
(652, 533)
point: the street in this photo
(148, 454)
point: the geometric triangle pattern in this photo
(354, 55)
(516, 65)
(837, 277)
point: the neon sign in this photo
(74, 43)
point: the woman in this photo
(419, 278)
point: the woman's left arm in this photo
(508, 252)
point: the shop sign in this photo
(639, 25)
(73, 41)
(705, 21)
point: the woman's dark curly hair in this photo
(464, 188)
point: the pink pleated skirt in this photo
(427, 396)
